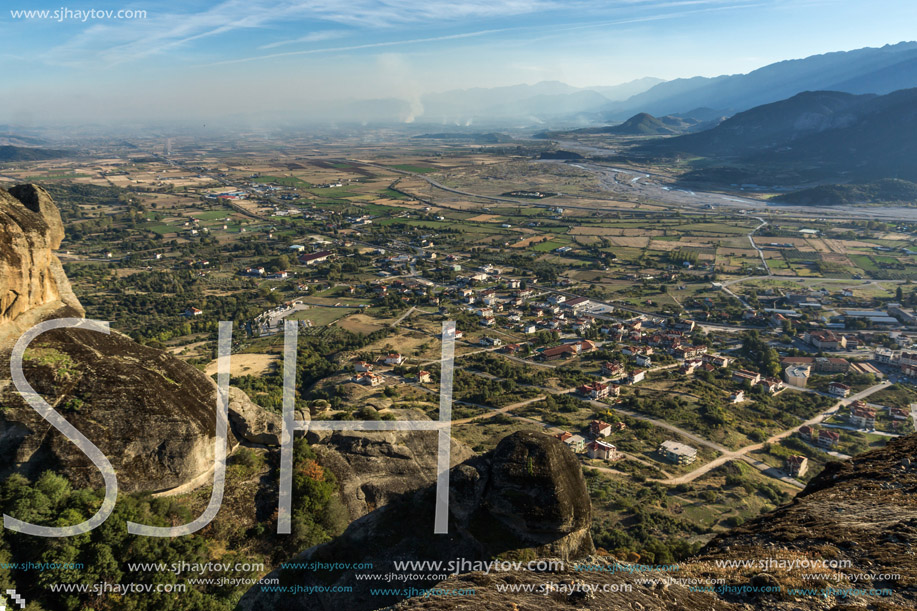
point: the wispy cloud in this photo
(320, 36)
(113, 43)
(371, 45)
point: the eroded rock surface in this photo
(32, 281)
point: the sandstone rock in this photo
(376, 467)
(151, 414)
(251, 422)
(32, 282)
(537, 490)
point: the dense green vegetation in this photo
(105, 552)
(651, 534)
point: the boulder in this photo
(252, 422)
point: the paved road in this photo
(751, 238)
(741, 453)
(398, 321)
(741, 300)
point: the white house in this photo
(601, 450)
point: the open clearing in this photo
(246, 364)
(360, 323)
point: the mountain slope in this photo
(819, 135)
(885, 191)
(645, 124)
(642, 124)
(870, 70)
(771, 125)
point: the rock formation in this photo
(252, 422)
(32, 282)
(375, 468)
(151, 414)
(527, 498)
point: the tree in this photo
(278, 264)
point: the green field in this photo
(713, 228)
(864, 262)
(211, 215)
(160, 228)
(392, 194)
(380, 209)
(467, 228)
(321, 316)
(549, 245)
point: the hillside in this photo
(22, 153)
(886, 191)
(645, 124)
(771, 125)
(862, 512)
(817, 135)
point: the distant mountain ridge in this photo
(861, 71)
(869, 70)
(558, 106)
(818, 135)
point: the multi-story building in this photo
(796, 466)
(677, 453)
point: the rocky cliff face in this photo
(32, 282)
(150, 413)
(525, 499)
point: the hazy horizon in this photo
(205, 60)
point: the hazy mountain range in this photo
(870, 70)
(28, 153)
(526, 103)
(811, 136)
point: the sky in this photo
(195, 59)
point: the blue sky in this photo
(190, 58)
